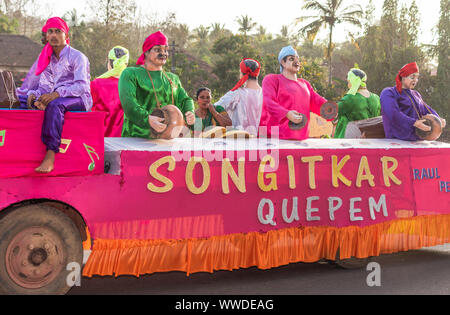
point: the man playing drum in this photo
(402, 107)
(146, 88)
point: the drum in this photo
(174, 120)
(371, 128)
(329, 110)
(436, 128)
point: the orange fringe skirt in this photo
(264, 250)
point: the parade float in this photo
(138, 207)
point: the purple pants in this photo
(54, 118)
(23, 102)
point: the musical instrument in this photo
(431, 120)
(8, 96)
(371, 128)
(436, 128)
(329, 110)
(294, 126)
(174, 120)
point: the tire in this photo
(351, 263)
(37, 243)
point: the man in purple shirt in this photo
(63, 86)
(403, 108)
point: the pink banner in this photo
(21, 148)
(336, 188)
(157, 195)
(431, 182)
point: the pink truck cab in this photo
(119, 206)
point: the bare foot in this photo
(48, 164)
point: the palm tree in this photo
(201, 33)
(246, 24)
(218, 31)
(201, 45)
(284, 32)
(329, 13)
(77, 26)
(262, 34)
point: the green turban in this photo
(119, 57)
(357, 79)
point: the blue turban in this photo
(286, 51)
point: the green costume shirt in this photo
(354, 108)
(138, 98)
(209, 120)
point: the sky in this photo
(268, 14)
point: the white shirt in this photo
(244, 106)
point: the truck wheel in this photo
(37, 243)
(351, 263)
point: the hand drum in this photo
(436, 128)
(173, 119)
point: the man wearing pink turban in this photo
(64, 85)
(148, 87)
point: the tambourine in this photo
(436, 128)
(329, 110)
(174, 120)
(294, 126)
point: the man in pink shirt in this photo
(289, 99)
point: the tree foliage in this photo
(329, 14)
(8, 25)
(386, 47)
(246, 24)
(441, 96)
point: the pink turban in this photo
(46, 54)
(156, 39)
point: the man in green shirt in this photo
(143, 89)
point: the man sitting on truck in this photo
(64, 86)
(146, 88)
